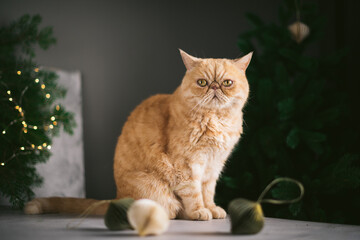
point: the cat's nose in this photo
(214, 87)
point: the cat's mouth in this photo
(215, 96)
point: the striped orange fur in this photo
(173, 147)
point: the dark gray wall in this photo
(127, 51)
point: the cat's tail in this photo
(64, 205)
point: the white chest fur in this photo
(212, 138)
(215, 132)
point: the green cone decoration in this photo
(246, 216)
(116, 215)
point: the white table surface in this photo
(16, 225)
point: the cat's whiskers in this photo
(201, 102)
(197, 105)
(223, 97)
(205, 100)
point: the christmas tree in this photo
(296, 122)
(29, 115)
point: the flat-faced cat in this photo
(173, 147)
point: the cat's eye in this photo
(202, 82)
(227, 83)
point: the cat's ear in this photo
(189, 61)
(243, 62)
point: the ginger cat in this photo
(173, 147)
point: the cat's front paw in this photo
(203, 214)
(218, 212)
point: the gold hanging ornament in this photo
(299, 31)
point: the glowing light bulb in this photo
(35, 127)
(8, 92)
(4, 132)
(2, 164)
(32, 146)
(10, 99)
(18, 72)
(51, 126)
(39, 147)
(57, 107)
(52, 118)
(54, 123)
(23, 122)
(43, 86)
(48, 95)
(36, 70)
(20, 109)
(37, 80)
(25, 130)
(44, 144)
(22, 148)
(48, 147)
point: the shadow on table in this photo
(199, 233)
(104, 232)
(108, 233)
(91, 229)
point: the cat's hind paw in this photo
(203, 214)
(218, 212)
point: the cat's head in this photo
(215, 83)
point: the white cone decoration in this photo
(299, 31)
(148, 217)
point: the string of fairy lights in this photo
(26, 126)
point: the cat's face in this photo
(215, 83)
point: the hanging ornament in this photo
(247, 216)
(299, 31)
